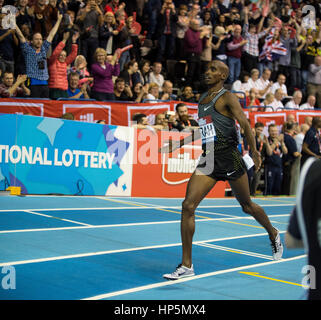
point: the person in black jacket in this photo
(166, 31)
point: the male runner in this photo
(217, 110)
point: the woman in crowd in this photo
(102, 72)
(57, 66)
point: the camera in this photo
(41, 64)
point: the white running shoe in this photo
(277, 247)
(180, 272)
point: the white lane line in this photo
(48, 216)
(89, 226)
(90, 254)
(233, 250)
(135, 208)
(201, 276)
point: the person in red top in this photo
(234, 54)
(252, 100)
(57, 66)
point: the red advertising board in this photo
(158, 174)
(121, 113)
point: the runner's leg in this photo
(241, 191)
(197, 188)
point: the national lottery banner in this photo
(54, 156)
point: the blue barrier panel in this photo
(55, 156)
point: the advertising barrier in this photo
(121, 113)
(44, 155)
(54, 156)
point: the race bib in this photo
(207, 129)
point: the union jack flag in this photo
(272, 50)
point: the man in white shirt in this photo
(309, 104)
(300, 136)
(254, 77)
(264, 84)
(280, 84)
(277, 104)
(156, 76)
(294, 103)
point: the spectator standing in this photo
(80, 66)
(107, 32)
(314, 80)
(234, 54)
(182, 25)
(102, 72)
(289, 158)
(90, 19)
(261, 146)
(58, 63)
(219, 41)
(44, 16)
(253, 34)
(311, 146)
(308, 53)
(300, 136)
(23, 14)
(194, 42)
(273, 161)
(284, 62)
(8, 43)
(166, 31)
(35, 55)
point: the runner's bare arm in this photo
(236, 110)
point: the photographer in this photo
(35, 55)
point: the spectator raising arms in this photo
(102, 72)
(35, 55)
(58, 62)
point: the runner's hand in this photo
(257, 160)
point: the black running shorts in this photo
(228, 164)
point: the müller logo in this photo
(177, 168)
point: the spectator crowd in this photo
(151, 50)
(272, 48)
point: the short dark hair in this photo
(181, 104)
(259, 125)
(138, 117)
(288, 126)
(315, 121)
